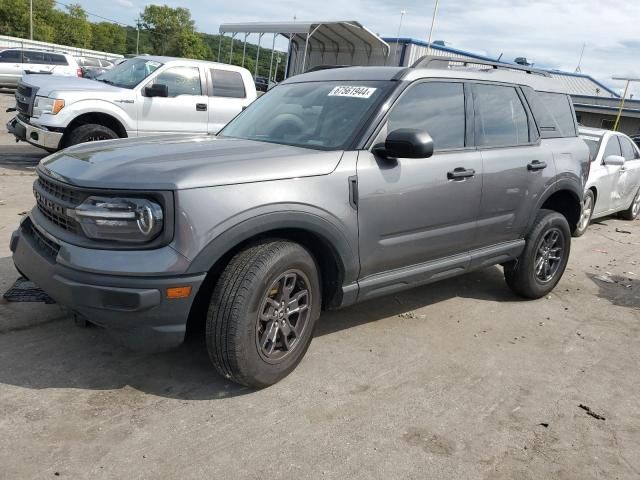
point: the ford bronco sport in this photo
(334, 187)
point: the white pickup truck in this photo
(143, 96)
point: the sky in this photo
(550, 33)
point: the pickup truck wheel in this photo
(262, 313)
(541, 265)
(585, 215)
(90, 132)
(631, 213)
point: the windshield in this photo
(130, 73)
(322, 115)
(592, 143)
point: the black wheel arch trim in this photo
(313, 223)
(566, 184)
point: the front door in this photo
(185, 110)
(410, 210)
(611, 183)
(630, 172)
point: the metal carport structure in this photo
(313, 43)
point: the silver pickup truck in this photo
(142, 96)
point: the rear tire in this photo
(586, 213)
(631, 213)
(90, 132)
(541, 265)
(262, 313)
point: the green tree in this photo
(108, 37)
(73, 28)
(190, 44)
(167, 24)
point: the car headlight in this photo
(136, 220)
(47, 105)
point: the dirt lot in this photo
(457, 380)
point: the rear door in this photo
(410, 210)
(10, 67)
(630, 172)
(517, 166)
(183, 111)
(227, 97)
(34, 62)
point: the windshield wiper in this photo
(104, 80)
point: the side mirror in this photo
(614, 160)
(406, 143)
(156, 90)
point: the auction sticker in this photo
(349, 91)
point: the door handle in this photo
(536, 165)
(201, 107)
(460, 173)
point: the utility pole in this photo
(402, 14)
(433, 22)
(578, 70)
(31, 19)
(138, 25)
(624, 96)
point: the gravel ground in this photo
(458, 380)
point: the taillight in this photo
(79, 72)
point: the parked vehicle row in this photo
(335, 187)
(614, 178)
(142, 96)
(15, 62)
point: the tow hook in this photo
(12, 109)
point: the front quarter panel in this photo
(210, 221)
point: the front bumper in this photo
(134, 309)
(38, 136)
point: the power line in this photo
(95, 15)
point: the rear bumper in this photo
(134, 309)
(38, 136)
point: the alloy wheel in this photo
(636, 205)
(283, 316)
(587, 208)
(549, 255)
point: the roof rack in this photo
(432, 61)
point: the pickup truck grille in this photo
(54, 199)
(25, 97)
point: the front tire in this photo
(541, 265)
(587, 212)
(262, 313)
(90, 132)
(631, 213)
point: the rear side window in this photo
(501, 119)
(227, 84)
(436, 107)
(612, 148)
(34, 57)
(628, 150)
(553, 114)
(11, 56)
(55, 59)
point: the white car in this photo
(15, 62)
(142, 96)
(614, 179)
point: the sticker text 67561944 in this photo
(351, 91)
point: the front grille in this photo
(62, 192)
(43, 244)
(54, 199)
(22, 107)
(24, 90)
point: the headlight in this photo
(134, 220)
(47, 105)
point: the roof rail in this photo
(317, 68)
(431, 61)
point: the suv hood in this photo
(48, 84)
(179, 162)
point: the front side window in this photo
(130, 73)
(500, 117)
(10, 56)
(629, 151)
(322, 115)
(227, 84)
(180, 81)
(435, 107)
(612, 148)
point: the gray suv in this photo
(334, 187)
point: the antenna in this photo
(580, 61)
